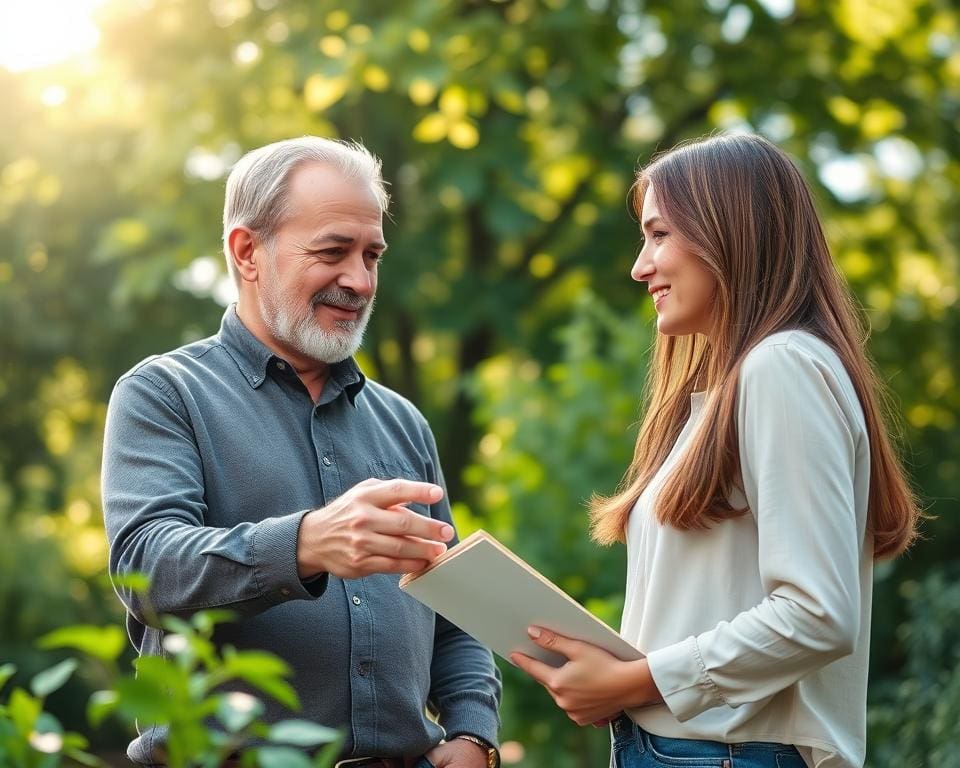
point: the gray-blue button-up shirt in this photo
(212, 455)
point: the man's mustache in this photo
(340, 298)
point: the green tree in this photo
(510, 130)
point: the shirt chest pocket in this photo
(393, 468)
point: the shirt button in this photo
(284, 591)
(356, 600)
(281, 365)
(326, 461)
(364, 668)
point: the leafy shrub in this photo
(915, 719)
(187, 692)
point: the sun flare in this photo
(38, 33)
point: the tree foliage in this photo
(510, 131)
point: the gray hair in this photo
(258, 186)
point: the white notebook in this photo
(493, 595)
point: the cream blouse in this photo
(757, 629)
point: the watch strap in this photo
(493, 754)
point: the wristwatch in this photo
(493, 756)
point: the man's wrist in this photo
(492, 753)
(310, 562)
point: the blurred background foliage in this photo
(510, 131)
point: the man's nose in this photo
(356, 275)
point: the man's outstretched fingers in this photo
(400, 521)
(396, 547)
(387, 493)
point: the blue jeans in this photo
(633, 747)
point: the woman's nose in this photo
(642, 268)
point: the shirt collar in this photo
(252, 357)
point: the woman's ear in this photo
(242, 246)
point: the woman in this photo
(762, 487)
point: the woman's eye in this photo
(659, 235)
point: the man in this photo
(258, 470)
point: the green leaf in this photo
(188, 740)
(46, 682)
(47, 723)
(205, 621)
(6, 672)
(179, 626)
(163, 673)
(282, 757)
(280, 690)
(105, 643)
(72, 740)
(263, 671)
(301, 733)
(100, 705)
(144, 700)
(256, 663)
(23, 709)
(84, 758)
(328, 755)
(202, 649)
(135, 582)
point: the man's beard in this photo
(296, 326)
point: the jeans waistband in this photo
(626, 731)
(623, 727)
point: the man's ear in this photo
(242, 244)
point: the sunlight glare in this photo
(37, 33)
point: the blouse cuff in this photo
(681, 677)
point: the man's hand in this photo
(594, 686)
(458, 753)
(368, 530)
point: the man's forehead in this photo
(323, 183)
(331, 206)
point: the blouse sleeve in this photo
(798, 444)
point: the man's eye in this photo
(375, 255)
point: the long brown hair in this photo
(743, 208)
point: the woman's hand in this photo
(593, 686)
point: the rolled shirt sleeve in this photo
(798, 436)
